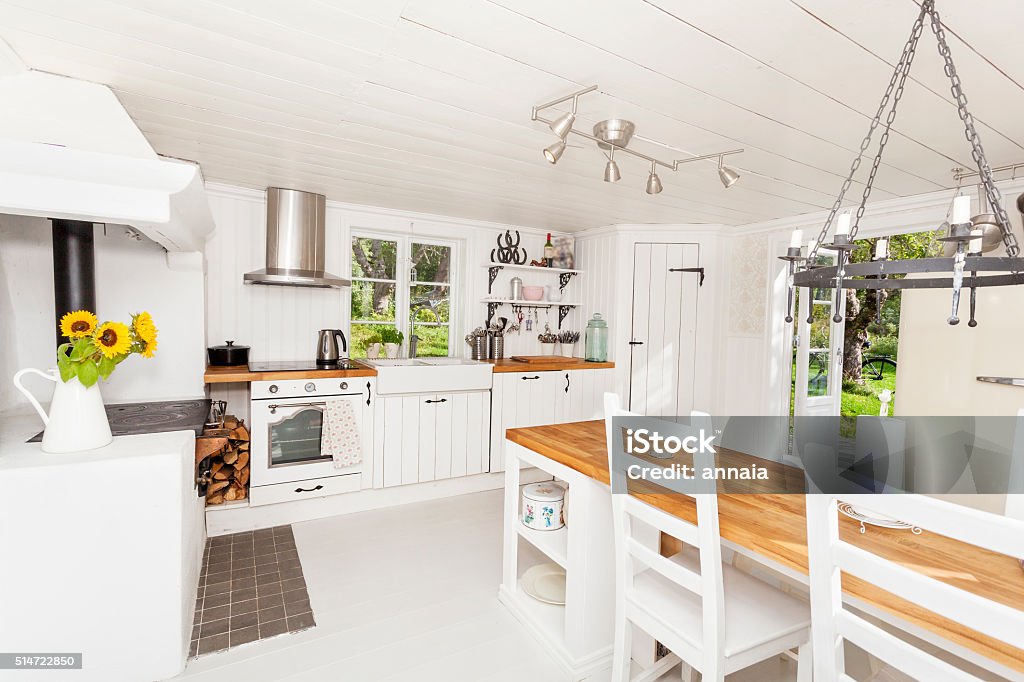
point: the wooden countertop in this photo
(241, 373)
(507, 365)
(774, 526)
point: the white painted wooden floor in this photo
(407, 593)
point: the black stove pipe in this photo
(74, 269)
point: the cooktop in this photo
(129, 419)
(300, 365)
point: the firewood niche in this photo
(222, 459)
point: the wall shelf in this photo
(564, 274)
(563, 307)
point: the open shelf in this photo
(530, 304)
(532, 268)
(552, 543)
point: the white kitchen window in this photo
(402, 283)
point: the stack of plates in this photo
(545, 582)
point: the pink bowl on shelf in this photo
(533, 293)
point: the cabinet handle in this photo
(566, 382)
(367, 393)
(309, 490)
(442, 400)
(529, 378)
(636, 343)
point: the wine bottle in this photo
(549, 252)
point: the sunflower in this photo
(148, 349)
(113, 339)
(78, 324)
(144, 328)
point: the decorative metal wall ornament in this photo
(963, 233)
(508, 252)
(613, 136)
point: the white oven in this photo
(287, 420)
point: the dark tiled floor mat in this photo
(251, 587)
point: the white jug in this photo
(552, 294)
(77, 419)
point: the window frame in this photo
(404, 283)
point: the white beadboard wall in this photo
(281, 323)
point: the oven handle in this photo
(273, 407)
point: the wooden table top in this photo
(774, 526)
(241, 374)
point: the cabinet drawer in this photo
(303, 490)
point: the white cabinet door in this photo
(430, 437)
(559, 386)
(521, 399)
(587, 388)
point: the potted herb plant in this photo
(392, 340)
(373, 346)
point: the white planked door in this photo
(664, 328)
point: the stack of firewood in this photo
(228, 449)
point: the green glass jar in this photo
(597, 339)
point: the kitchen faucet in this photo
(412, 345)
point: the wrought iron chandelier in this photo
(965, 268)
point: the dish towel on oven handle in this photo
(340, 434)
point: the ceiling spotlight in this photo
(653, 181)
(611, 169)
(727, 175)
(563, 124)
(554, 152)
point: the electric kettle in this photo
(327, 347)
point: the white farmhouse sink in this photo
(431, 375)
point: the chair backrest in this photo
(829, 556)
(633, 555)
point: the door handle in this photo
(442, 400)
(566, 382)
(367, 393)
(529, 378)
(309, 490)
(636, 343)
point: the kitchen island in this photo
(768, 528)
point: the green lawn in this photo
(861, 400)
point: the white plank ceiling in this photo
(424, 105)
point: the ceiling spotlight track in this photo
(614, 135)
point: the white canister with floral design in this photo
(542, 506)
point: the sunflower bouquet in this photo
(94, 350)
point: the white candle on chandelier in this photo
(795, 239)
(962, 209)
(843, 226)
(881, 248)
(975, 244)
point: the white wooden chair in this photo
(829, 556)
(716, 619)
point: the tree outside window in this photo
(405, 284)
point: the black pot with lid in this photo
(228, 355)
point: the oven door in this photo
(286, 439)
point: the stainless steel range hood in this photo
(295, 242)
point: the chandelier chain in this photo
(896, 83)
(977, 152)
